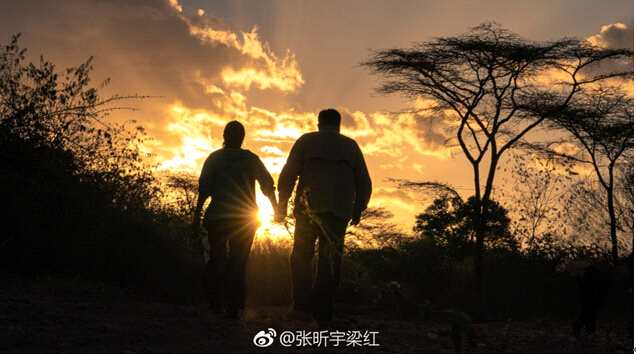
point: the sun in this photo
(268, 228)
(265, 211)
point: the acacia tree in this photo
(601, 123)
(488, 83)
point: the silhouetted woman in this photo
(228, 177)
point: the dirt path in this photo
(57, 317)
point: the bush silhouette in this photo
(78, 195)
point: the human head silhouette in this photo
(233, 135)
(329, 119)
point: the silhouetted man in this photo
(334, 187)
(228, 176)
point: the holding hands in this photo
(280, 211)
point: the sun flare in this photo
(265, 211)
(269, 230)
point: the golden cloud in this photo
(209, 72)
(614, 35)
(175, 5)
(267, 70)
(377, 134)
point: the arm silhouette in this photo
(287, 179)
(266, 182)
(363, 187)
(204, 192)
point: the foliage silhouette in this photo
(80, 198)
(487, 85)
(81, 202)
(601, 123)
(449, 223)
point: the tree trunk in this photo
(478, 270)
(612, 215)
(477, 217)
(481, 209)
(478, 260)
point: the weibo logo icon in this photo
(264, 339)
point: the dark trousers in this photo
(329, 230)
(230, 243)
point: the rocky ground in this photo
(52, 316)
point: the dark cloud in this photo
(431, 131)
(145, 46)
(142, 45)
(148, 47)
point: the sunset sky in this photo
(274, 64)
